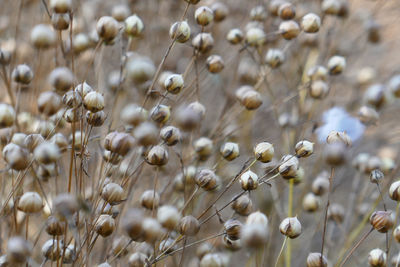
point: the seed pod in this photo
(170, 135)
(336, 65)
(211, 260)
(249, 180)
(168, 216)
(64, 206)
(7, 115)
(133, 115)
(232, 228)
(16, 156)
(257, 218)
(320, 184)
(54, 227)
(338, 137)
(47, 153)
(62, 79)
(107, 28)
(30, 202)
(255, 37)
(198, 108)
(255, 232)
(289, 166)
(96, 119)
(22, 74)
(229, 151)
(180, 31)
(310, 23)
(80, 43)
(146, 134)
(52, 249)
(243, 205)
(152, 230)
(203, 42)
(83, 89)
(119, 143)
(319, 89)
(120, 12)
(160, 113)
(105, 225)
(137, 259)
(331, 7)
(69, 254)
(61, 6)
(5, 57)
(289, 29)
(375, 95)
(150, 199)
(132, 223)
(394, 191)
(203, 15)
(18, 250)
(104, 264)
(373, 31)
(315, 259)
(18, 139)
(368, 115)
(290, 227)
(396, 233)
(203, 147)
(60, 21)
(235, 36)
(317, 73)
(335, 154)
(251, 100)
(157, 155)
(133, 26)
(174, 83)
(220, 11)
(382, 221)
(72, 99)
(311, 202)
(274, 58)
(215, 64)
(189, 226)
(377, 258)
(112, 193)
(140, 69)
(94, 101)
(394, 85)
(336, 212)
(43, 36)
(207, 179)
(304, 148)
(286, 11)
(258, 13)
(376, 176)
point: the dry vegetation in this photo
(199, 133)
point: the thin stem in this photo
(281, 250)
(326, 212)
(356, 246)
(288, 254)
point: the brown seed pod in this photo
(30, 202)
(112, 193)
(286, 11)
(203, 15)
(382, 221)
(289, 29)
(235, 36)
(16, 156)
(96, 119)
(170, 135)
(22, 74)
(304, 148)
(207, 179)
(189, 226)
(336, 212)
(394, 191)
(60, 21)
(119, 143)
(249, 180)
(18, 250)
(215, 63)
(377, 258)
(180, 31)
(157, 155)
(315, 259)
(311, 202)
(150, 199)
(132, 223)
(107, 28)
(232, 228)
(229, 151)
(105, 225)
(61, 79)
(220, 11)
(54, 226)
(52, 249)
(203, 42)
(290, 227)
(243, 205)
(134, 26)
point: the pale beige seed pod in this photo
(167, 245)
(335, 153)
(264, 152)
(180, 31)
(207, 179)
(336, 212)
(273, 7)
(311, 202)
(243, 205)
(69, 254)
(60, 22)
(203, 42)
(289, 166)
(339, 137)
(319, 89)
(94, 101)
(120, 246)
(229, 151)
(251, 100)
(203, 147)
(232, 228)
(61, 79)
(255, 37)
(257, 218)
(375, 95)
(61, 6)
(150, 199)
(249, 180)
(47, 153)
(95, 119)
(232, 245)
(43, 36)
(152, 230)
(396, 234)
(80, 43)
(107, 28)
(16, 156)
(132, 223)
(377, 258)
(198, 108)
(211, 260)
(368, 115)
(254, 235)
(119, 143)
(134, 26)
(72, 99)
(140, 69)
(18, 139)
(382, 221)
(137, 259)
(157, 155)
(104, 264)
(105, 225)
(174, 83)
(289, 29)
(120, 12)
(394, 85)
(258, 13)
(317, 73)
(274, 58)
(310, 23)
(83, 89)
(146, 134)
(112, 193)
(189, 226)
(394, 191)
(18, 250)
(235, 36)
(286, 11)
(220, 11)
(168, 216)
(133, 115)
(7, 115)
(64, 206)
(54, 226)
(336, 65)
(22, 74)
(203, 15)
(331, 7)
(170, 135)
(215, 64)
(160, 113)
(290, 227)
(5, 57)
(52, 249)
(30, 202)
(304, 148)
(315, 259)
(321, 184)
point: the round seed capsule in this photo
(112, 193)
(377, 258)
(203, 42)
(311, 202)
(150, 199)
(30, 202)
(133, 26)
(229, 151)
(286, 11)
(61, 6)
(304, 148)
(170, 135)
(255, 37)
(203, 16)
(61, 79)
(274, 58)
(235, 36)
(249, 180)
(105, 225)
(394, 191)
(7, 115)
(107, 28)
(174, 83)
(382, 221)
(22, 74)
(189, 226)
(43, 36)
(207, 179)
(310, 23)
(215, 64)
(289, 29)
(315, 259)
(336, 65)
(290, 227)
(243, 205)
(157, 155)
(180, 31)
